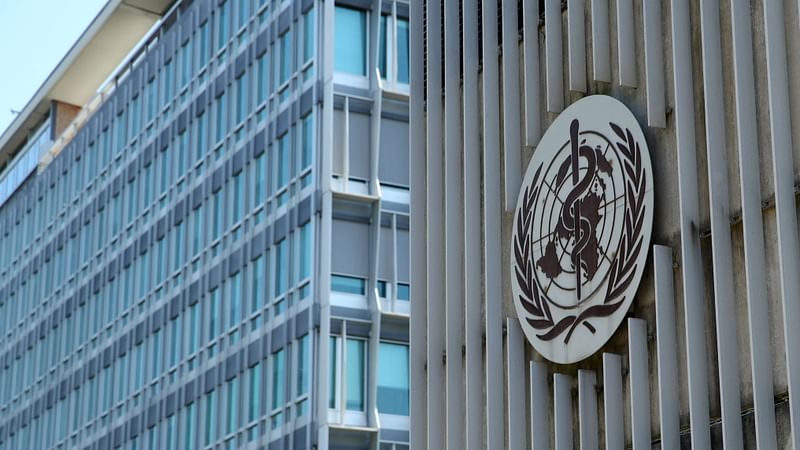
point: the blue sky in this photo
(34, 36)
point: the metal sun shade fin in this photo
(612, 400)
(693, 297)
(752, 222)
(601, 48)
(587, 409)
(530, 49)
(562, 411)
(453, 236)
(540, 433)
(626, 44)
(472, 234)
(491, 218)
(724, 299)
(786, 214)
(667, 347)
(435, 231)
(640, 384)
(576, 40)
(654, 63)
(511, 125)
(515, 358)
(552, 40)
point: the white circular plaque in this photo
(582, 229)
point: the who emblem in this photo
(582, 229)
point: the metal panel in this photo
(552, 50)
(626, 44)
(491, 219)
(752, 223)
(601, 48)
(612, 400)
(472, 233)
(515, 357)
(694, 311)
(587, 409)
(724, 299)
(511, 138)
(640, 384)
(435, 231)
(576, 40)
(530, 49)
(783, 174)
(654, 63)
(454, 234)
(540, 433)
(667, 347)
(562, 414)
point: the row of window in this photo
(276, 388)
(258, 293)
(357, 286)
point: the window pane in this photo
(382, 48)
(305, 250)
(308, 35)
(281, 267)
(355, 375)
(393, 379)
(402, 51)
(278, 371)
(286, 57)
(308, 140)
(402, 291)
(348, 285)
(332, 372)
(351, 39)
(302, 365)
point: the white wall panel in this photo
(667, 347)
(783, 175)
(555, 69)
(472, 234)
(530, 49)
(691, 264)
(626, 44)
(587, 409)
(576, 39)
(491, 213)
(639, 384)
(724, 299)
(654, 63)
(612, 401)
(752, 222)
(435, 233)
(601, 47)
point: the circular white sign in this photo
(582, 229)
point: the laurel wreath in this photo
(623, 269)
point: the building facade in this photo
(706, 356)
(204, 218)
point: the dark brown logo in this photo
(579, 245)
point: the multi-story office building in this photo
(204, 218)
(523, 115)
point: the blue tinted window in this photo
(402, 51)
(402, 291)
(355, 375)
(393, 378)
(348, 285)
(350, 50)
